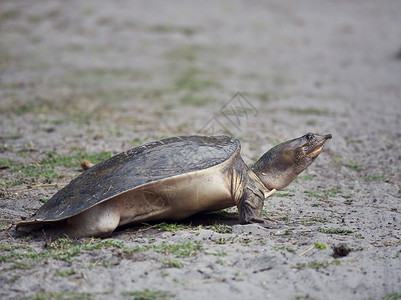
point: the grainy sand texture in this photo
(89, 79)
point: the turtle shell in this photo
(134, 168)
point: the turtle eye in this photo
(309, 136)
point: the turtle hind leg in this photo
(98, 221)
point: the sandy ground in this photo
(86, 79)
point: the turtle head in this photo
(278, 167)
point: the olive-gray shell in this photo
(134, 168)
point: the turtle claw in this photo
(254, 219)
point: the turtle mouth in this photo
(318, 147)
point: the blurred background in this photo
(99, 76)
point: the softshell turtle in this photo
(172, 179)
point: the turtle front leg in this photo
(250, 204)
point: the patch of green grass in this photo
(15, 277)
(318, 265)
(308, 223)
(222, 241)
(316, 204)
(60, 296)
(320, 220)
(61, 249)
(137, 141)
(192, 80)
(44, 170)
(397, 255)
(23, 107)
(9, 14)
(18, 265)
(6, 163)
(2, 226)
(305, 177)
(312, 194)
(98, 243)
(246, 241)
(75, 47)
(13, 136)
(314, 220)
(336, 193)
(95, 77)
(220, 228)
(280, 79)
(311, 111)
(34, 19)
(138, 248)
(267, 214)
(196, 100)
(392, 296)
(332, 192)
(283, 195)
(304, 297)
(320, 246)
(327, 193)
(335, 231)
(170, 226)
(9, 247)
(373, 178)
(187, 53)
(27, 252)
(171, 263)
(108, 263)
(337, 161)
(53, 159)
(264, 96)
(111, 95)
(176, 280)
(218, 253)
(185, 249)
(65, 273)
(220, 261)
(147, 294)
(354, 165)
(171, 28)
